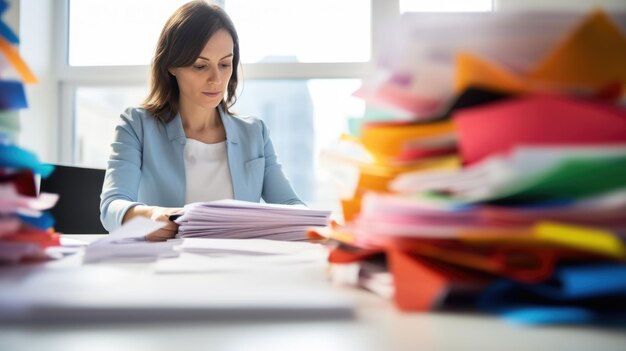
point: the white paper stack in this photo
(235, 219)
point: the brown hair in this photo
(181, 41)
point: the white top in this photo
(207, 172)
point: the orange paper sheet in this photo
(16, 61)
(591, 57)
(472, 70)
(421, 284)
(386, 140)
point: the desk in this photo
(376, 326)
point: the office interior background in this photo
(302, 60)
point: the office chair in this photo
(78, 208)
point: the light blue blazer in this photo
(146, 166)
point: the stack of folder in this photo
(24, 225)
(532, 224)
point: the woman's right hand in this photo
(170, 229)
(156, 213)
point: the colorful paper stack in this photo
(533, 225)
(25, 227)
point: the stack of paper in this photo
(532, 223)
(24, 222)
(244, 220)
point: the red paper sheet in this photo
(539, 119)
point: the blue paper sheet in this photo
(12, 95)
(12, 156)
(8, 34)
(44, 221)
(593, 293)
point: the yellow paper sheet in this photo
(582, 238)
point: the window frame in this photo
(70, 78)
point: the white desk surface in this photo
(376, 326)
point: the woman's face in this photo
(204, 83)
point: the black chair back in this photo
(78, 208)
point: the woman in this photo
(184, 145)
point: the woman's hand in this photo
(170, 229)
(156, 214)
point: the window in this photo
(270, 30)
(446, 6)
(96, 110)
(302, 31)
(116, 32)
(303, 116)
